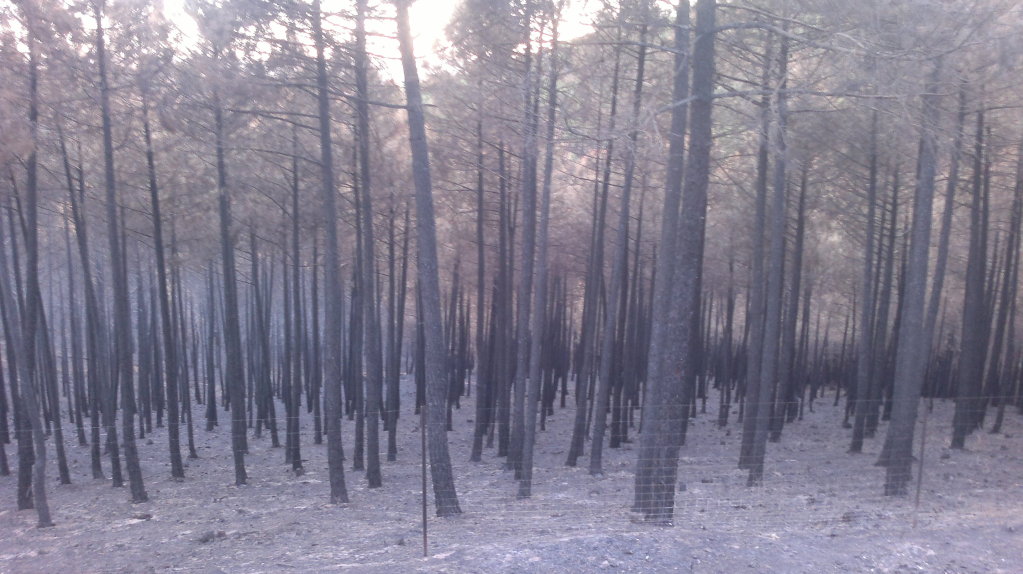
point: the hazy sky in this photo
(428, 18)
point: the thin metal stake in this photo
(422, 432)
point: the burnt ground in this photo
(821, 510)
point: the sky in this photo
(428, 18)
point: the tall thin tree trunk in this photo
(775, 277)
(294, 438)
(26, 332)
(787, 369)
(10, 313)
(758, 280)
(865, 344)
(211, 349)
(882, 337)
(445, 497)
(371, 314)
(484, 382)
(615, 295)
(398, 291)
(539, 286)
(33, 310)
(332, 292)
(235, 369)
(122, 312)
(586, 369)
(909, 366)
(941, 260)
(170, 361)
(527, 205)
(974, 327)
(677, 266)
(93, 326)
(1008, 370)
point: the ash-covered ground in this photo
(820, 510)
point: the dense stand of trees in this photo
(245, 208)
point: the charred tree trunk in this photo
(484, 382)
(294, 438)
(539, 287)
(396, 335)
(445, 497)
(1007, 371)
(332, 278)
(865, 344)
(523, 295)
(586, 370)
(909, 367)
(775, 277)
(210, 352)
(170, 346)
(941, 261)
(615, 294)
(969, 402)
(234, 373)
(124, 366)
(94, 333)
(756, 293)
(370, 310)
(788, 370)
(679, 262)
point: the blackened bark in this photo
(47, 367)
(883, 367)
(332, 323)
(170, 356)
(1008, 374)
(316, 385)
(865, 343)
(396, 328)
(445, 497)
(10, 314)
(484, 382)
(941, 260)
(657, 464)
(539, 286)
(94, 329)
(32, 310)
(527, 205)
(615, 296)
(787, 369)
(210, 352)
(974, 331)
(909, 366)
(235, 369)
(297, 332)
(5, 433)
(370, 310)
(122, 313)
(775, 277)
(586, 371)
(77, 366)
(758, 280)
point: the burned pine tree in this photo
(909, 368)
(676, 294)
(123, 362)
(446, 499)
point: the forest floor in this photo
(820, 510)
